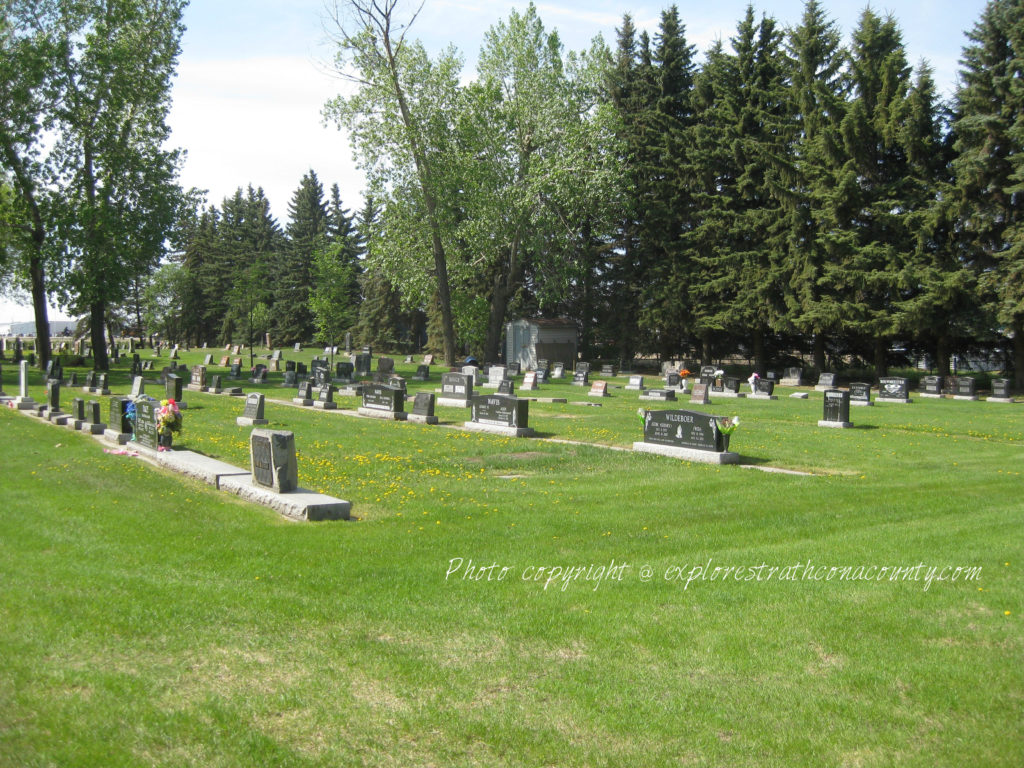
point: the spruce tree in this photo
(989, 168)
(293, 273)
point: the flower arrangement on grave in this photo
(168, 421)
(727, 426)
(684, 372)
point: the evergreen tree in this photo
(818, 93)
(293, 274)
(989, 168)
(335, 295)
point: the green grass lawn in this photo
(149, 620)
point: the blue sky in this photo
(253, 75)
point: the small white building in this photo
(527, 341)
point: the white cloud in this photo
(258, 121)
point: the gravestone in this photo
(383, 402)
(343, 373)
(23, 402)
(253, 415)
(502, 415)
(320, 372)
(1002, 391)
(966, 388)
(101, 385)
(423, 408)
(90, 381)
(428, 359)
(598, 389)
(397, 382)
(290, 378)
(72, 380)
(456, 390)
(663, 395)
(422, 373)
(305, 395)
(272, 454)
(77, 413)
(700, 393)
(707, 374)
(581, 377)
(172, 386)
(506, 387)
(325, 397)
(685, 434)
(119, 426)
(208, 360)
(145, 424)
(289, 365)
(53, 395)
(495, 375)
(636, 383)
(363, 365)
(930, 386)
(225, 361)
(793, 377)
(367, 350)
(860, 393)
(147, 365)
(764, 389)
(236, 371)
(835, 409)
(583, 366)
(673, 380)
(94, 418)
(530, 381)
(514, 369)
(892, 389)
(197, 383)
(259, 374)
(276, 355)
(216, 384)
(558, 371)
(385, 366)
(348, 343)
(297, 347)
(731, 387)
(607, 370)
(138, 387)
(235, 349)
(826, 381)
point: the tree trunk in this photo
(881, 357)
(942, 355)
(760, 362)
(39, 305)
(819, 352)
(705, 348)
(1018, 354)
(506, 283)
(97, 337)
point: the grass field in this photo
(149, 620)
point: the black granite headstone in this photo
(860, 392)
(683, 429)
(380, 397)
(836, 406)
(893, 388)
(501, 411)
(423, 404)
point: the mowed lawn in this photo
(502, 602)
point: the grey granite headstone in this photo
(423, 408)
(272, 454)
(252, 416)
(145, 423)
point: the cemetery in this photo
(658, 404)
(451, 473)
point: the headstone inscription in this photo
(423, 408)
(607, 370)
(119, 426)
(456, 389)
(145, 424)
(700, 393)
(686, 434)
(835, 409)
(731, 387)
(1001, 391)
(501, 414)
(966, 388)
(530, 381)
(892, 389)
(930, 386)
(860, 393)
(581, 377)
(636, 383)
(253, 415)
(274, 466)
(793, 377)
(598, 389)
(198, 381)
(422, 373)
(383, 402)
(506, 387)
(707, 374)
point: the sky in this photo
(254, 75)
